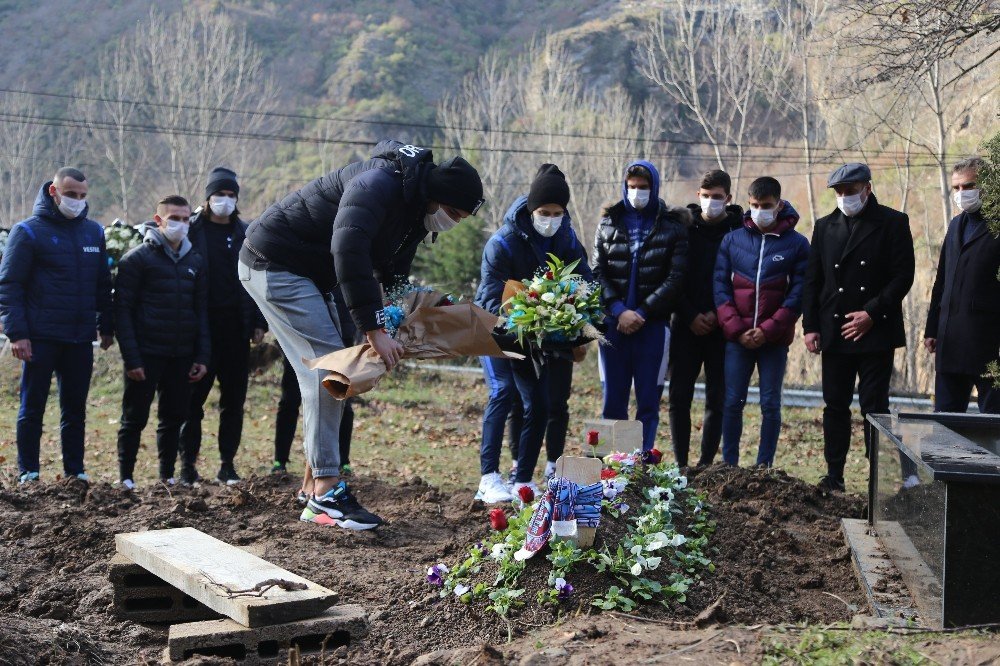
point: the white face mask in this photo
(545, 225)
(222, 205)
(850, 204)
(968, 200)
(638, 198)
(175, 231)
(712, 208)
(71, 208)
(439, 221)
(764, 219)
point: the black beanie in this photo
(548, 187)
(455, 183)
(221, 178)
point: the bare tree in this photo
(22, 164)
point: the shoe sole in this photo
(482, 498)
(322, 518)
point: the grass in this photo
(415, 423)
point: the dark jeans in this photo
(168, 377)
(504, 378)
(688, 354)
(952, 392)
(638, 360)
(230, 364)
(72, 364)
(872, 371)
(288, 419)
(770, 362)
(559, 377)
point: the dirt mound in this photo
(778, 541)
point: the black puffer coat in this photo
(704, 239)
(662, 259)
(356, 227)
(161, 302)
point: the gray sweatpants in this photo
(306, 326)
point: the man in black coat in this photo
(861, 267)
(161, 306)
(696, 339)
(963, 322)
(217, 234)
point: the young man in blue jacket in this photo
(55, 295)
(535, 226)
(161, 308)
(759, 278)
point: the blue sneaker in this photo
(28, 477)
(339, 507)
(82, 476)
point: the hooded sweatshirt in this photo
(639, 223)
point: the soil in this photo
(780, 559)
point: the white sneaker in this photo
(550, 470)
(911, 481)
(492, 489)
(530, 484)
(128, 484)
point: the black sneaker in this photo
(829, 484)
(338, 507)
(278, 468)
(189, 475)
(227, 475)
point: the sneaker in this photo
(302, 498)
(28, 477)
(127, 484)
(227, 475)
(512, 475)
(550, 470)
(830, 484)
(345, 470)
(338, 507)
(278, 468)
(911, 481)
(169, 481)
(82, 476)
(492, 489)
(189, 475)
(530, 484)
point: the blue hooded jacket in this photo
(638, 223)
(516, 251)
(55, 283)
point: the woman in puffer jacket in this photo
(758, 298)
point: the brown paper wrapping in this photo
(510, 288)
(428, 332)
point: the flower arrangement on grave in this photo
(556, 305)
(651, 553)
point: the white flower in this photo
(542, 311)
(548, 297)
(499, 551)
(652, 562)
(636, 569)
(461, 589)
(678, 540)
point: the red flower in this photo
(498, 519)
(549, 275)
(526, 494)
(570, 300)
(652, 457)
(592, 438)
(533, 294)
(608, 473)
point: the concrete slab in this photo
(887, 597)
(340, 625)
(228, 580)
(624, 436)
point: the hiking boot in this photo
(345, 470)
(227, 475)
(28, 477)
(189, 475)
(278, 468)
(492, 489)
(829, 484)
(338, 507)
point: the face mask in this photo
(71, 208)
(967, 200)
(638, 198)
(175, 231)
(712, 208)
(764, 219)
(439, 221)
(851, 204)
(222, 206)
(546, 226)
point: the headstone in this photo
(624, 436)
(583, 472)
(228, 580)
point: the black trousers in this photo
(230, 364)
(559, 383)
(872, 372)
(168, 377)
(689, 353)
(288, 419)
(953, 390)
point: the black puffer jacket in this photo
(161, 302)
(704, 239)
(355, 227)
(662, 259)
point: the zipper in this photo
(756, 291)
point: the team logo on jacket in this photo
(191, 271)
(410, 150)
(91, 248)
(777, 257)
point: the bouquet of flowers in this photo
(557, 305)
(398, 304)
(119, 238)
